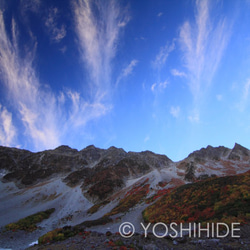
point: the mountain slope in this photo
(224, 199)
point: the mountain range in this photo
(94, 186)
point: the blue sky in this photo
(166, 76)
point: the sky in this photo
(160, 75)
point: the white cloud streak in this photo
(42, 112)
(176, 72)
(194, 118)
(49, 118)
(146, 139)
(35, 105)
(56, 33)
(7, 129)
(98, 25)
(31, 5)
(153, 87)
(162, 56)
(203, 44)
(246, 89)
(159, 86)
(245, 96)
(127, 71)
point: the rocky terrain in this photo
(100, 188)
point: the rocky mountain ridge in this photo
(102, 171)
(90, 165)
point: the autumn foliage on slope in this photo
(132, 197)
(224, 199)
(29, 223)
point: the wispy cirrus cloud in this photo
(45, 118)
(203, 43)
(244, 96)
(57, 33)
(127, 71)
(146, 139)
(31, 5)
(7, 129)
(98, 26)
(163, 54)
(159, 86)
(194, 115)
(48, 118)
(34, 105)
(176, 72)
(246, 90)
(194, 118)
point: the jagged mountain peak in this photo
(239, 153)
(152, 154)
(90, 147)
(112, 151)
(212, 153)
(239, 148)
(113, 148)
(211, 161)
(64, 149)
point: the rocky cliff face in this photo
(239, 153)
(209, 153)
(214, 161)
(100, 172)
(26, 168)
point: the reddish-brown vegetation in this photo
(223, 199)
(132, 197)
